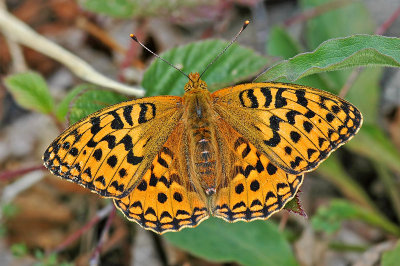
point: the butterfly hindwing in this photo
(110, 150)
(255, 188)
(166, 200)
(296, 127)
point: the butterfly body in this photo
(199, 120)
(238, 153)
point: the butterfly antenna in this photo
(226, 48)
(133, 37)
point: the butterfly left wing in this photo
(253, 186)
(296, 127)
(110, 150)
(166, 199)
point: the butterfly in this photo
(239, 153)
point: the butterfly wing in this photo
(166, 199)
(110, 150)
(296, 127)
(254, 188)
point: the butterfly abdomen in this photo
(202, 139)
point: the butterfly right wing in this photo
(167, 198)
(110, 150)
(295, 126)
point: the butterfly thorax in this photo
(199, 120)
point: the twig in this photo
(94, 260)
(25, 182)
(23, 34)
(385, 25)
(6, 175)
(98, 217)
(283, 222)
(316, 11)
(350, 81)
(100, 34)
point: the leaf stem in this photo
(23, 34)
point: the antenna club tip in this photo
(133, 37)
(246, 23)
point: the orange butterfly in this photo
(239, 153)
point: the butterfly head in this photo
(195, 83)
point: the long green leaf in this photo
(236, 64)
(255, 243)
(329, 218)
(30, 91)
(338, 54)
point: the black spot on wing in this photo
(132, 159)
(300, 94)
(147, 112)
(127, 141)
(95, 121)
(274, 141)
(128, 114)
(268, 96)
(274, 122)
(110, 139)
(291, 115)
(117, 122)
(248, 99)
(280, 101)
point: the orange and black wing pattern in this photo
(110, 151)
(296, 127)
(166, 199)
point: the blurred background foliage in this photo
(352, 200)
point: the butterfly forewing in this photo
(110, 150)
(255, 188)
(296, 127)
(166, 198)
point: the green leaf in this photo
(392, 257)
(19, 250)
(118, 8)
(30, 91)
(373, 143)
(236, 64)
(255, 243)
(294, 205)
(138, 8)
(329, 218)
(337, 54)
(280, 43)
(10, 210)
(92, 101)
(63, 106)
